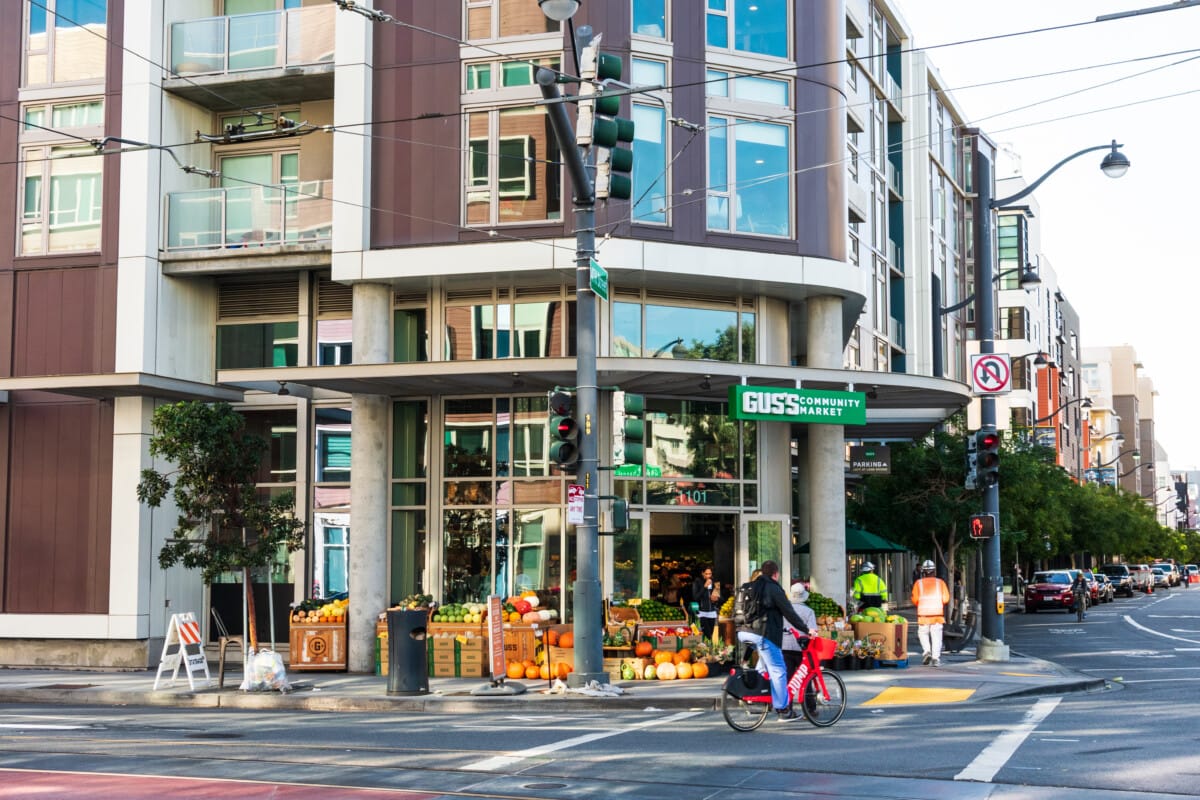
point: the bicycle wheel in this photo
(1079, 610)
(741, 715)
(824, 708)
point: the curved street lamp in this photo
(1148, 465)
(1116, 436)
(1136, 454)
(1029, 280)
(1086, 402)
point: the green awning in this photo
(863, 541)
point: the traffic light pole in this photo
(588, 604)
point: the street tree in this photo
(223, 524)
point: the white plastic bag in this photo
(264, 672)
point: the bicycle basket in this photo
(822, 648)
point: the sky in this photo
(1127, 251)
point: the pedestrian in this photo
(706, 594)
(792, 649)
(930, 595)
(764, 631)
(869, 588)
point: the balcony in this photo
(274, 58)
(895, 98)
(240, 220)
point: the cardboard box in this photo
(560, 655)
(520, 643)
(444, 670)
(893, 635)
(472, 670)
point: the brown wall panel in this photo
(64, 321)
(59, 506)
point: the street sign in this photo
(871, 460)
(574, 504)
(991, 373)
(599, 279)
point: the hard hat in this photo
(799, 592)
(927, 566)
(868, 567)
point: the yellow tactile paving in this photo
(908, 695)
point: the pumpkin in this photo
(566, 639)
(529, 662)
(552, 638)
(666, 671)
(544, 672)
(700, 669)
(516, 669)
(562, 669)
(531, 617)
(662, 657)
(684, 670)
(643, 650)
(682, 657)
(532, 673)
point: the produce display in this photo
(822, 605)
(654, 611)
(311, 612)
(415, 601)
(618, 638)
(469, 613)
(874, 614)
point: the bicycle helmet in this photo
(927, 566)
(868, 567)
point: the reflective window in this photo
(749, 26)
(512, 172)
(627, 330)
(65, 41)
(682, 332)
(278, 428)
(650, 18)
(332, 440)
(508, 330)
(488, 19)
(61, 199)
(335, 341)
(650, 164)
(751, 88)
(691, 438)
(467, 555)
(748, 177)
(468, 437)
(410, 335)
(257, 345)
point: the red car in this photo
(1050, 589)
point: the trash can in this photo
(408, 671)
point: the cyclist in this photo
(765, 633)
(1079, 588)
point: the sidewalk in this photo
(960, 679)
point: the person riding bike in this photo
(1080, 590)
(765, 633)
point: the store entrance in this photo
(682, 544)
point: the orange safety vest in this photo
(930, 596)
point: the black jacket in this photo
(702, 595)
(776, 604)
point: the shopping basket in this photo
(822, 648)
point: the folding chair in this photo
(223, 641)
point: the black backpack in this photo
(748, 612)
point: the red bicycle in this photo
(820, 694)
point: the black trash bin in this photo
(408, 670)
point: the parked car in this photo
(1093, 587)
(1050, 589)
(1161, 579)
(1171, 571)
(1106, 593)
(1121, 577)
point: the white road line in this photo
(1156, 633)
(22, 726)
(995, 755)
(505, 761)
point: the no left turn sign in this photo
(991, 373)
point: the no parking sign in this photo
(991, 373)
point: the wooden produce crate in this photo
(317, 646)
(520, 643)
(620, 615)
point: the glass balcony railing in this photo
(271, 40)
(250, 216)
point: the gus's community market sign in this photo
(797, 405)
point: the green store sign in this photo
(797, 405)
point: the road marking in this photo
(23, 726)
(911, 695)
(1139, 626)
(505, 761)
(995, 755)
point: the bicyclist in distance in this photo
(1080, 589)
(766, 634)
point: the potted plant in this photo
(843, 655)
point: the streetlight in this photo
(1029, 279)
(559, 10)
(1148, 465)
(991, 645)
(1136, 455)
(1086, 402)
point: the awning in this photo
(862, 541)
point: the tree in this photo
(223, 523)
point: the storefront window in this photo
(410, 335)
(763, 542)
(409, 546)
(467, 545)
(682, 332)
(278, 428)
(508, 330)
(692, 439)
(629, 566)
(468, 437)
(332, 428)
(410, 439)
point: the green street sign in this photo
(599, 279)
(797, 405)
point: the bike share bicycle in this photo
(820, 693)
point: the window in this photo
(490, 19)
(65, 41)
(650, 18)
(751, 88)
(512, 172)
(748, 177)
(507, 330)
(61, 193)
(718, 332)
(749, 26)
(258, 344)
(505, 74)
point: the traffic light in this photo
(983, 526)
(972, 481)
(620, 515)
(987, 458)
(564, 431)
(598, 124)
(628, 430)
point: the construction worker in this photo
(930, 595)
(869, 588)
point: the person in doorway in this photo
(869, 588)
(930, 595)
(706, 594)
(765, 633)
(792, 649)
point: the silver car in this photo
(1161, 580)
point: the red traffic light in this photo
(990, 440)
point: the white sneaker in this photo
(937, 662)
(925, 659)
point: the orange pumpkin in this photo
(516, 669)
(684, 670)
(532, 673)
(544, 672)
(566, 639)
(662, 657)
(552, 637)
(529, 662)
(700, 669)
(682, 657)
(562, 669)
(643, 649)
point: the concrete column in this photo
(369, 555)
(826, 459)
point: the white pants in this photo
(931, 639)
